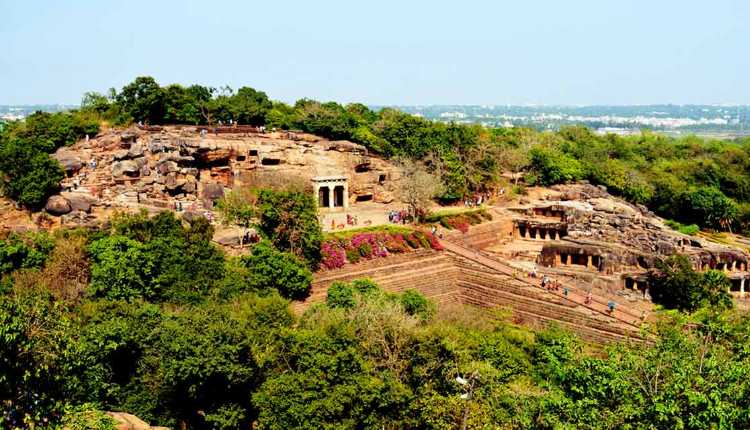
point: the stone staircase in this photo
(431, 272)
(469, 276)
(532, 305)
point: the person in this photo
(333, 224)
(565, 291)
(611, 305)
(545, 281)
(588, 298)
(434, 230)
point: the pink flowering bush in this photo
(333, 256)
(369, 245)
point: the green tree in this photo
(290, 220)
(677, 286)
(709, 207)
(121, 269)
(142, 100)
(282, 271)
(29, 176)
(250, 106)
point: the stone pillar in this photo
(589, 264)
(331, 197)
(346, 195)
(742, 287)
(557, 235)
(558, 259)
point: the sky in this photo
(404, 52)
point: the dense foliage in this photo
(676, 285)
(290, 220)
(364, 359)
(27, 173)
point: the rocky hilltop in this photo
(188, 169)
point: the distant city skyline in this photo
(543, 53)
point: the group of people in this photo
(552, 285)
(397, 217)
(352, 219)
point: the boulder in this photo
(345, 146)
(129, 135)
(136, 150)
(57, 205)
(128, 421)
(383, 197)
(80, 201)
(120, 154)
(167, 167)
(125, 167)
(70, 162)
(228, 236)
(191, 216)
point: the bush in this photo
(340, 295)
(29, 176)
(554, 166)
(28, 251)
(416, 304)
(365, 285)
(282, 271)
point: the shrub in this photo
(416, 304)
(364, 285)
(340, 295)
(333, 256)
(283, 271)
(28, 251)
(677, 286)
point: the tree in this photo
(29, 176)
(290, 220)
(419, 187)
(143, 100)
(238, 207)
(120, 269)
(250, 106)
(281, 271)
(675, 285)
(709, 207)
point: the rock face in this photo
(161, 168)
(57, 205)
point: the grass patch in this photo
(392, 229)
(690, 229)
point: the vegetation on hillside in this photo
(206, 341)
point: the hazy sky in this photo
(385, 52)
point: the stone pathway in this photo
(622, 313)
